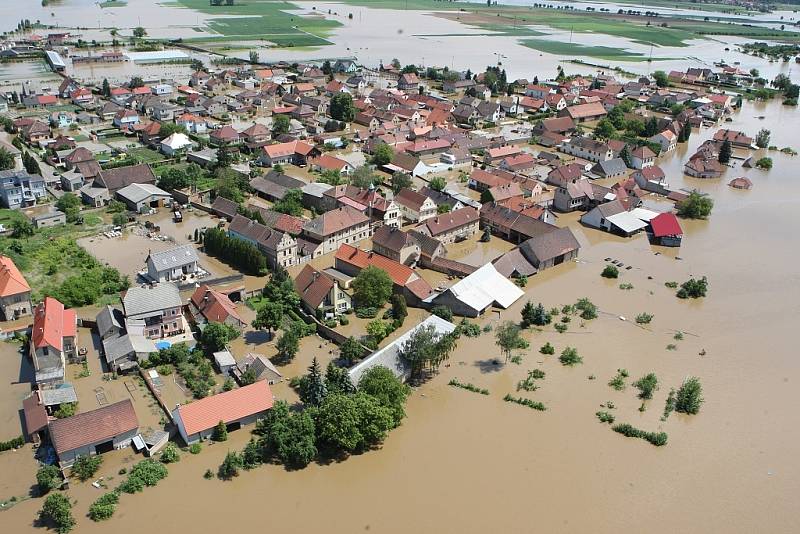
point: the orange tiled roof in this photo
(229, 406)
(11, 280)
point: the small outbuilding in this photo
(666, 230)
(473, 295)
(142, 197)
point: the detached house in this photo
(294, 152)
(172, 265)
(280, 248)
(321, 294)
(53, 340)
(642, 157)
(15, 293)
(454, 226)
(667, 139)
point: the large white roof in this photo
(484, 287)
(626, 221)
(389, 355)
(643, 214)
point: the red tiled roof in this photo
(35, 414)
(97, 426)
(313, 286)
(665, 224)
(52, 323)
(227, 407)
(399, 273)
(11, 280)
(214, 306)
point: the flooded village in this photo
(502, 289)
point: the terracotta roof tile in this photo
(229, 406)
(11, 280)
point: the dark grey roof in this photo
(148, 299)
(610, 167)
(544, 247)
(108, 318)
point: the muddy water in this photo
(467, 463)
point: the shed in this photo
(225, 361)
(667, 230)
(86, 434)
(471, 296)
(141, 197)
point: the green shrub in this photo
(610, 271)
(605, 417)
(443, 311)
(170, 454)
(529, 383)
(669, 405)
(693, 288)
(104, 506)
(57, 509)
(195, 448)
(569, 356)
(644, 318)
(690, 396)
(366, 313)
(547, 348)
(646, 386)
(469, 387)
(656, 438)
(148, 472)
(230, 466)
(560, 327)
(671, 285)
(534, 405)
(587, 308)
(626, 286)
(618, 382)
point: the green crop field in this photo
(263, 19)
(576, 50)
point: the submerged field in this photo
(266, 19)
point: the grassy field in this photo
(264, 19)
(113, 3)
(576, 49)
(51, 257)
(145, 155)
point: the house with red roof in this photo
(666, 230)
(15, 293)
(208, 305)
(296, 152)
(53, 339)
(235, 408)
(326, 162)
(405, 280)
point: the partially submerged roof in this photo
(626, 222)
(97, 426)
(666, 224)
(173, 258)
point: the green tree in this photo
(382, 155)
(610, 271)
(764, 163)
(401, 180)
(119, 219)
(70, 205)
(314, 389)
(48, 477)
(342, 107)
(6, 160)
(86, 466)
(58, 510)
(569, 357)
(280, 125)
(216, 335)
(381, 384)
(337, 380)
(725, 152)
(224, 159)
(220, 432)
(372, 287)
(508, 338)
(442, 311)
(104, 506)
(604, 129)
(625, 155)
(106, 88)
(230, 466)
(350, 350)
(139, 32)
(330, 177)
(651, 126)
(254, 56)
(696, 206)
(290, 437)
(169, 128)
(363, 177)
(399, 309)
(762, 138)
(690, 396)
(437, 183)
(288, 345)
(426, 349)
(351, 423)
(291, 203)
(661, 78)
(269, 316)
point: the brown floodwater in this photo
(463, 462)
